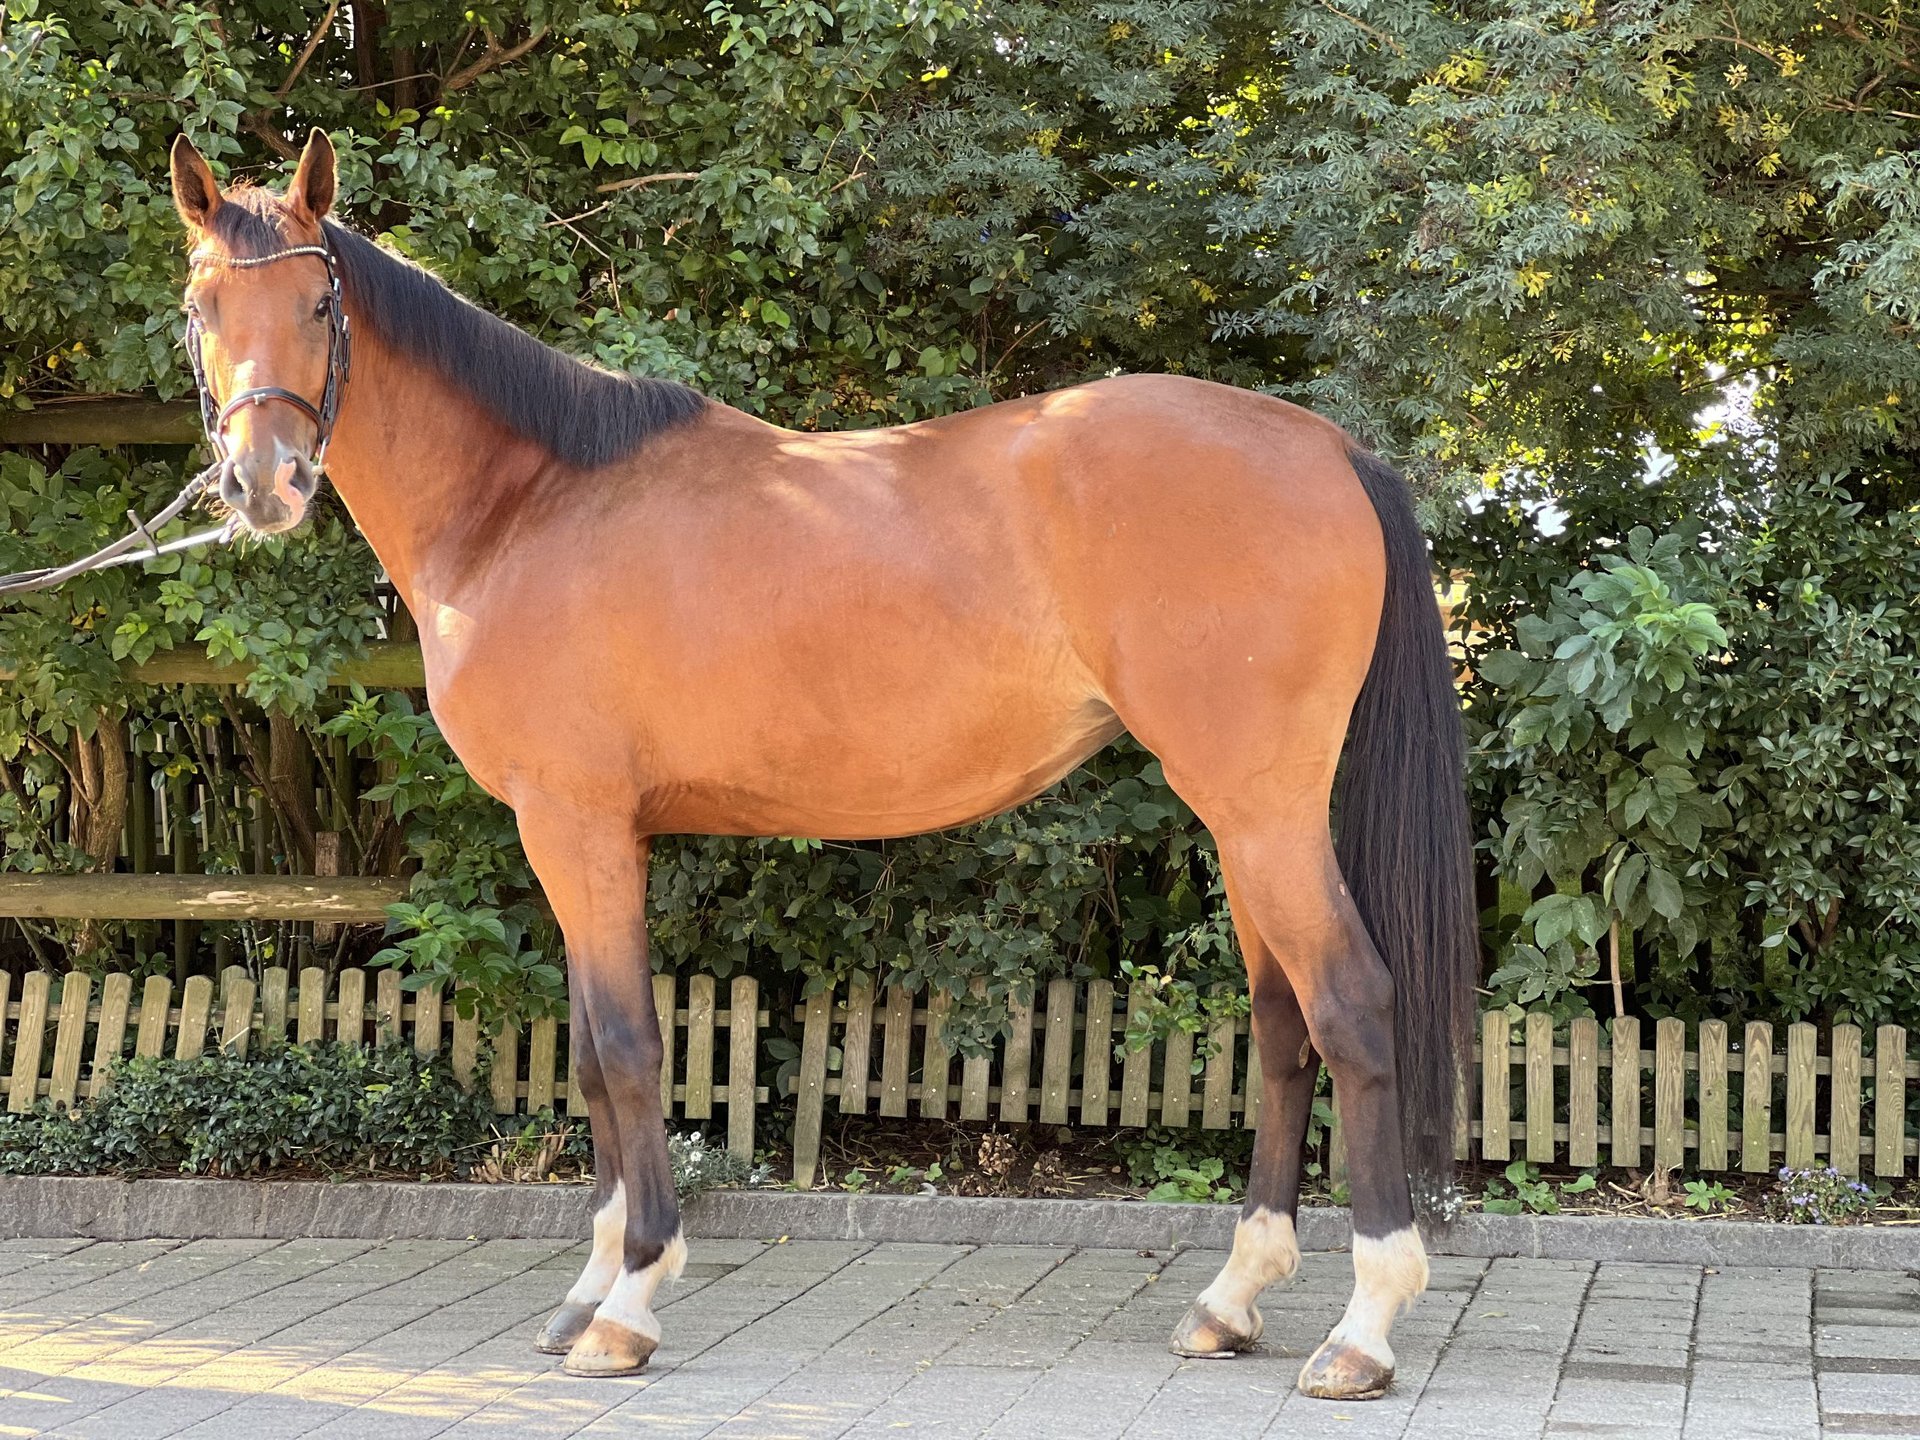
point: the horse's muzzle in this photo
(269, 491)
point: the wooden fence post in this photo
(935, 1070)
(856, 1047)
(466, 1046)
(427, 1013)
(1540, 1087)
(1803, 1043)
(700, 1007)
(236, 1021)
(1056, 1060)
(387, 1003)
(1624, 1151)
(116, 999)
(1890, 1101)
(156, 1001)
(543, 1058)
(743, 1034)
(1756, 1100)
(1669, 1094)
(810, 1089)
(75, 991)
(503, 1079)
(1136, 1070)
(665, 1007)
(1583, 1092)
(1713, 1095)
(1216, 1081)
(1495, 1077)
(273, 1004)
(28, 1039)
(1016, 1065)
(1096, 1055)
(1843, 1114)
(310, 1025)
(350, 1023)
(196, 1012)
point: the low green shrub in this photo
(339, 1109)
(328, 1107)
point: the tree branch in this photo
(255, 122)
(492, 58)
(635, 182)
(306, 53)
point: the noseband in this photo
(214, 417)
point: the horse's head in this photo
(264, 325)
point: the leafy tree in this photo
(1585, 270)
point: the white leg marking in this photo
(609, 1237)
(630, 1302)
(1264, 1250)
(1388, 1275)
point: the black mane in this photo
(584, 415)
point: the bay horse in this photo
(643, 613)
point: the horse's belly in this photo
(904, 775)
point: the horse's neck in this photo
(424, 471)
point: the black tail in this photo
(1404, 839)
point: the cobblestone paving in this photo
(268, 1340)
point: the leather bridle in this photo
(339, 358)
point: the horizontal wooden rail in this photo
(348, 899)
(103, 420)
(387, 665)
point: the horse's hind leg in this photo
(1225, 1319)
(595, 875)
(1292, 891)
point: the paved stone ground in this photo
(348, 1340)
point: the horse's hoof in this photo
(1338, 1371)
(606, 1348)
(567, 1325)
(1204, 1335)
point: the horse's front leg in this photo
(595, 876)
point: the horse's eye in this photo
(320, 308)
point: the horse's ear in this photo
(196, 194)
(310, 196)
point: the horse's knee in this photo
(627, 1056)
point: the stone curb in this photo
(104, 1209)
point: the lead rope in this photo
(129, 549)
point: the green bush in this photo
(334, 1108)
(337, 1109)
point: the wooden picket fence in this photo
(1522, 1096)
(1701, 1099)
(92, 1031)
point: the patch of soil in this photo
(918, 1157)
(864, 1155)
